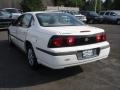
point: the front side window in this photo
(24, 21)
(18, 21)
(57, 19)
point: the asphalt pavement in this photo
(101, 75)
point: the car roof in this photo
(35, 12)
(9, 8)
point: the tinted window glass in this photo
(107, 13)
(101, 13)
(112, 14)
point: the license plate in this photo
(87, 54)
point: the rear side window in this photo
(107, 13)
(101, 13)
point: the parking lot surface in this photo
(101, 75)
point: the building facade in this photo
(10, 3)
(16, 3)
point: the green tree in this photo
(70, 3)
(76, 3)
(59, 2)
(32, 5)
(116, 4)
(93, 5)
(108, 4)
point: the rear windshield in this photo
(12, 10)
(57, 19)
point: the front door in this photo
(23, 27)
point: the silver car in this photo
(112, 16)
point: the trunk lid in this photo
(75, 30)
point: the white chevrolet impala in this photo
(57, 40)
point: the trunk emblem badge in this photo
(86, 39)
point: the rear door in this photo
(107, 16)
(13, 30)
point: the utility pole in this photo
(76, 3)
(95, 5)
(100, 5)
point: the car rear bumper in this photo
(68, 58)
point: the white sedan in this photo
(57, 40)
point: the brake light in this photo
(98, 38)
(70, 40)
(104, 37)
(61, 41)
(101, 37)
(57, 42)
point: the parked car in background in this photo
(79, 16)
(101, 13)
(57, 40)
(15, 12)
(111, 16)
(5, 19)
(92, 17)
(76, 14)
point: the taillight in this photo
(61, 41)
(70, 40)
(100, 37)
(57, 42)
(104, 37)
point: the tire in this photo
(118, 22)
(31, 58)
(91, 21)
